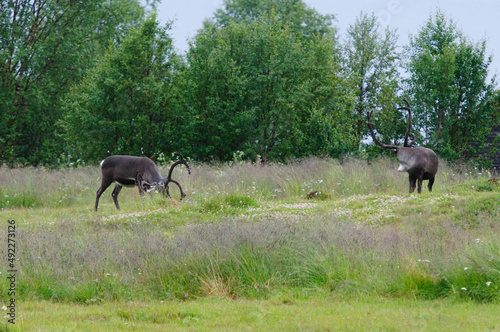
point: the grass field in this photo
(311, 245)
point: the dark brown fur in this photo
(135, 171)
(420, 163)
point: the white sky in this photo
(478, 19)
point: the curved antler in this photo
(370, 126)
(181, 161)
(413, 137)
(169, 177)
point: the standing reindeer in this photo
(129, 171)
(420, 163)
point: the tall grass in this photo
(98, 261)
(266, 237)
(40, 187)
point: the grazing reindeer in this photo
(420, 163)
(131, 171)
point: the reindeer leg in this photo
(413, 181)
(420, 180)
(102, 188)
(431, 182)
(115, 193)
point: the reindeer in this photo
(129, 171)
(420, 163)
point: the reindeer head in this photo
(142, 184)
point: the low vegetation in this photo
(310, 229)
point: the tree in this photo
(123, 106)
(258, 87)
(302, 20)
(449, 85)
(45, 47)
(371, 62)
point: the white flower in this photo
(463, 288)
(4, 308)
(488, 283)
(466, 268)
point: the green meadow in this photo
(314, 244)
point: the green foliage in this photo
(45, 47)
(371, 64)
(304, 21)
(263, 80)
(123, 104)
(453, 98)
(258, 88)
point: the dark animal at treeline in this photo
(420, 163)
(129, 171)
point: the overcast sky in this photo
(478, 19)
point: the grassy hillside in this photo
(311, 229)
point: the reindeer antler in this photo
(370, 126)
(181, 161)
(413, 137)
(169, 177)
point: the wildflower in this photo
(466, 268)
(488, 283)
(4, 308)
(463, 288)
